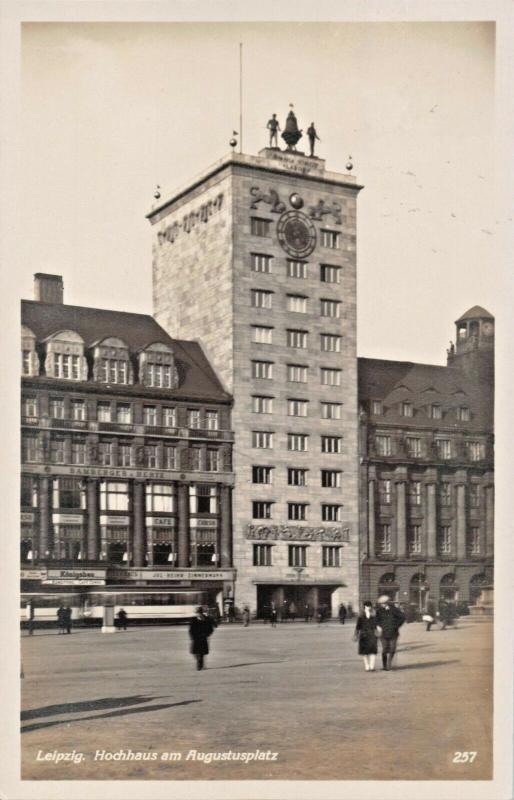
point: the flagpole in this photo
(240, 97)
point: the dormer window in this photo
(111, 362)
(65, 358)
(406, 409)
(377, 408)
(157, 367)
(435, 411)
(463, 414)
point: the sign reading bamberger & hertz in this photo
(298, 533)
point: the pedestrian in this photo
(389, 619)
(431, 613)
(200, 629)
(320, 614)
(67, 619)
(122, 618)
(61, 613)
(342, 613)
(246, 616)
(292, 611)
(366, 633)
(446, 614)
(31, 617)
(284, 613)
(307, 612)
(273, 615)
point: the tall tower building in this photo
(256, 258)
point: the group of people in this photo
(64, 615)
(378, 624)
(445, 613)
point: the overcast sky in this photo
(109, 110)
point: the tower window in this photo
(330, 479)
(262, 335)
(330, 308)
(262, 555)
(297, 303)
(262, 474)
(259, 226)
(261, 509)
(260, 262)
(329, 274)
(262, 369)
(331, 556)
(297, 511)
(297, 339)
(296, 477)
(331, 513)
(261, 298)
(296, 269)
(330, 239)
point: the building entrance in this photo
(304, 602)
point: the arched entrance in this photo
(449, 588)
(418, 591)
(475, 586)
(389, 585)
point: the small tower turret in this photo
(474, 344)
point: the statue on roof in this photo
(312, 134)
(273, 128)
(291, 134)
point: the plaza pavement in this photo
(297, 690)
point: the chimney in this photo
(48, 288)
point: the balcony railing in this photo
(94, 426)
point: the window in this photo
(474, 495)
(330, 239)
(263, 440)
(415, 493)
(169, 417)
(262, 555)
(259, 227)
(330, 479)
(78, 451)
(195, 457)
(106, 454)
(262, 335)
(170, 457)
(261, 509)
(68, 494)
(262, 405)
(193, 418)
(160, 498)
(384, 539)
(406, 409)
(296, 477)
(383, 445)
(330, 308)
(415, 540)
(113, 370)
(297, 408)
(261, 299)
(124, 455)
(212, 463)
(331, 444)
(260, 262)
(413, 446)
(262, 474)
(463, 414)
(328, 274)
(330, 513)
(124, 413)
(297, 441)
(297, 303)
(384, 491)
(114, 496)
(29, 448)
(297, 511)
(149, 415)
(376, 408)
(25, 361)
(211, 420)
(29, 407)
(331, 556)
(296, 269)
(330, 343)
(474, 544)
(57, 450)
(297, 339)
(297, 555)
(66, 366)
(330, 377)
(28, 495)
(476, 451)
(159, 375)
(57, 407)
(445, 540)
(331, 410)
(296, 373)
(103, 412)
(78, 410)
(444, 448)
(262, 369)
(435, 412)
(203, 500)
(445, 494)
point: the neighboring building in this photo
(126, 455)
(427, 497)
(257, 259)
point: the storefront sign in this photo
(68, 519)
(297, 533)
(76, 575)
(113, 521)
(26, 516)
(203, 523)
(171, 575)
(160, 522)
(225, 478)
(73, 582)
(32, 574)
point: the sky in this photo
(109, 110)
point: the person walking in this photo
(389, 619)
(122, 619)
(273, 615)
(292, 611)
(307, 612)
(431, 614)
(61, 614)
(67, 619)
(342, 613)
(246, 616)
(446, 614)
(200, 629)
(366, 633)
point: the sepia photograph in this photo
(257, 265)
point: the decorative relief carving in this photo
(190, 220)
(321, 209)
(297, 533)
(272, 199)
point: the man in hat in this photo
(200, 629)
(389, 619)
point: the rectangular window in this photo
(103, 412)
(124, 455)
(66, 366)
(476, 451)
(262, 440)
(331, 410)
(124, 413)
(296, 477)
(445, 540)
(331, 556)
(435, 411)
(259, 227)
(78, 410)
(29, 407)
(262, 369)
(169, 417)
(28, 495)
(330, 343)
(69, 493)
(193, 418)
(376, 408)
(297, 441)
(330, 377)
(297, 339)
(297, 511)
(415, 493)
(262, 335)
(330, 239)
(260, 262)
(330, 479)
(445, 494)
(25, 361)
(262, 475)
(195, 456)
(406, 409)
(296, 373)
(57, 407)
(384, 491)
(212, 464)
(415, 540)
(29, 448)
(444, 448)
(150, 415)
(57, 450)
(329, 274)
(383, 445)
(413, 446)
(296, 269)
(463, 414)
(212, 420)
(474, 495)
(261, 299)
(170, 457)
(160, 498)
(159, 375)
(114, 496)
(262, 405)
(297, 555)
(331, 444)
(106, 454)
(384, 539)
(112, 370)
(203, 499)
(261, 509)
(296, 303)
(297, 408)
(262, 555)
(330, 308)
(330, 513)
(474, 544)
(78, 451)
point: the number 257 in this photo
(465, 757)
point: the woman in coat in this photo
(366, 634)
(200, 629)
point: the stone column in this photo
(371, 518)
(401, 517)
(226, 527)
(92, 519)
(461, 521)
(183, 525)
(431, 550)
(44, 517)
(489, 521)
(138, 545)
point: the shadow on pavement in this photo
(120, 713)
(86, 705)
(426, 664)
(250, 664)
